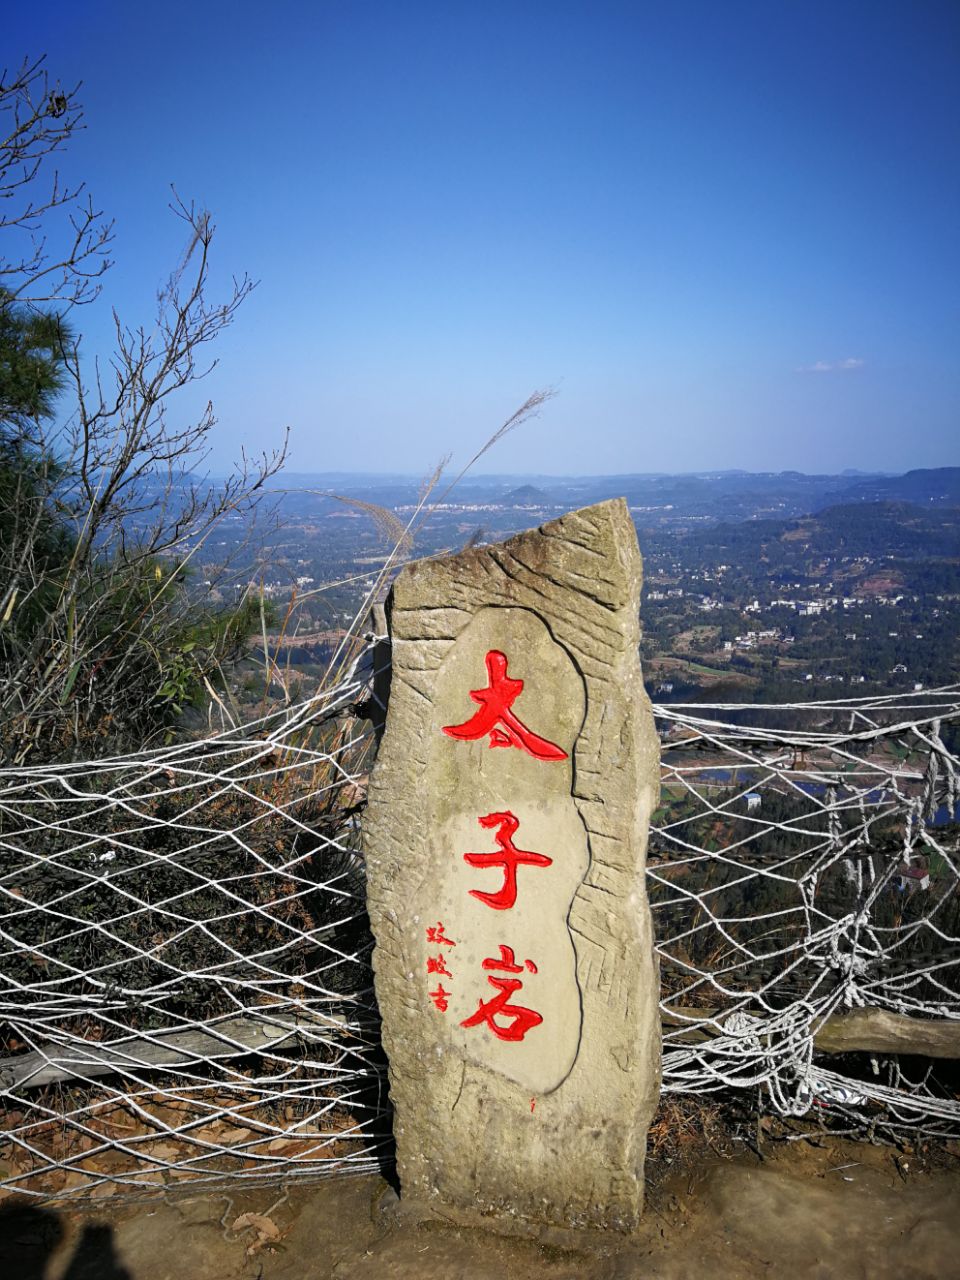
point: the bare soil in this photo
(839, 1209)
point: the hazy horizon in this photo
(475, 477)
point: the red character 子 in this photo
(523, 1019)
(496, 718)
(509, 858)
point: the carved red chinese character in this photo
(507, 961)
(437, 964)
(436, 935)
(509, 858)
(523, 1019)
(496, 718)
(439, 997)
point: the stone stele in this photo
(505, 842)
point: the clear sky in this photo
(726, 232)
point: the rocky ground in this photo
(833, 1210)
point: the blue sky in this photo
(727, 233)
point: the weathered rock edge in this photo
(468, 1146)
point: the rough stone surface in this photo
(548, 1128)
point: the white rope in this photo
(185, 988)
(793, 910)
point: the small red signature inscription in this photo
(499, 1006)
(436, 935)
(437, 964)
(509, 858)
(496, 718)
(439, 998)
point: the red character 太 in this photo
(509, 858)
(496, 718)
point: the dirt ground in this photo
(837, 1210)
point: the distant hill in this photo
(722, 495)
(527, 495)
(878, 530)
(936, 485)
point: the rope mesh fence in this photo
(799, 871)
(185, 984)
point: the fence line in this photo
(797, 873)
(185, 988)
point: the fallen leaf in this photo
(163, 1151)
(265, 1228)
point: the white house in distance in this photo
(912, 877)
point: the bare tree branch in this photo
(103, 515)
(37, 119)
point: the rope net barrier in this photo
(804, 863)
(185, 984)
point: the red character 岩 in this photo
(509, 858)
(508, 961)
(496, 718)
(523, 1019)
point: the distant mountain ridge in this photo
(880, 529)
(656, 500)
(936, 485)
